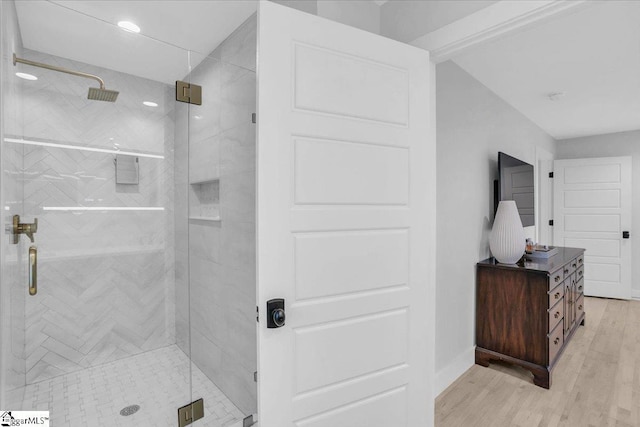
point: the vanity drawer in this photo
(579, 307)
(580, 272)
(574, 265)
(556, 339)
(570, 268)
(556, 278)
(556, 313)
(556, 295)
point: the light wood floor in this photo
(595, 383)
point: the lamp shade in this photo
(507, 241)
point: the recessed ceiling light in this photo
(150, 104)
(26, 76)
(129, 26)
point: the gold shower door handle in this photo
(33, 270)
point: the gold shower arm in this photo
(60, 69)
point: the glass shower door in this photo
(104, 339)
(222, 234)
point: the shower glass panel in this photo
(97, 344)
(220, 206)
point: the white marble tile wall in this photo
(106, 278)
(56, 107)
(222, 146)
(13, 280)
(181, 226)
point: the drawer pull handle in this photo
(580, 288)
(557, 278)
(580, 273)
(574, 265)
(580, 261)
(557, 314)
(557, 295)
(566, 271)
(580, 307)
(556, 341)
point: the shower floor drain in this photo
(129, 410)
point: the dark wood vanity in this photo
(527, 313)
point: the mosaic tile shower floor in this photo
(157, 380)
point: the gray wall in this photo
(308, 6)
(612, 145)
(363, 14)
(473, 124)
(407, 20)
(215, 208)
(402, 20)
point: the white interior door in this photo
(346, 198)
(544, 196)
(592, 209)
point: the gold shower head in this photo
(101, 94)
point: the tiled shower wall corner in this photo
(222, 264)
(106, 278)
(13, 280)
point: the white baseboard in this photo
(447, 375)
(635, 293)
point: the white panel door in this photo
(592, 209)
(346, 198)
(544, 196)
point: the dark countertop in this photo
(548, 265)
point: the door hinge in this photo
(551, 222)
(254, 118)
(190, 413)
(248, 421)
(550, 174)
(188, 92)
(255, 376)
(257, 314)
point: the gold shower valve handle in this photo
(24, 228)
(33, 270)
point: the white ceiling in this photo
(592, 55)
(86, 31)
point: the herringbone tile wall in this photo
(106, 278)
(13, 281)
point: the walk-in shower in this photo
(145, 218)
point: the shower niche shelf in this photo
(204, 201)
